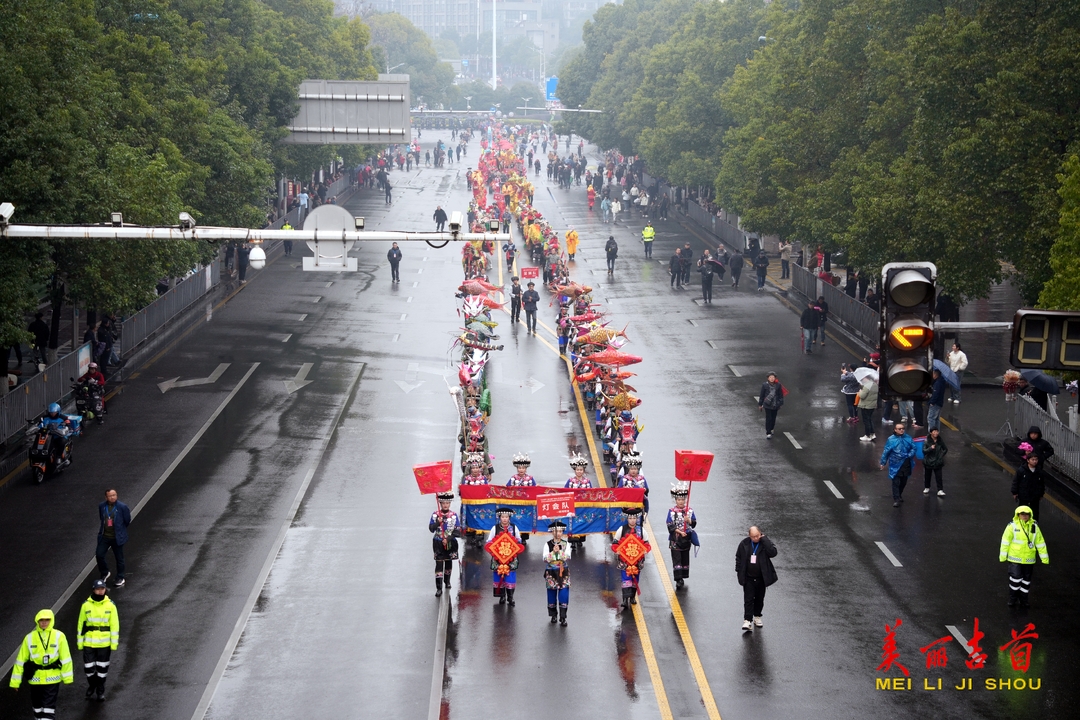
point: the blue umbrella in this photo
(948, 374)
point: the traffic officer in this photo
(44, 655)
(97, 633)
(287, 244)
(648, 234)
(1020, 542)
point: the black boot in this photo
(101, 690)
(562, 615)
(510, 597)
(552, 613)
(633, 596)
(91, 690)
(502, 596)
(438, 586)
(625, 597)
(446, 575)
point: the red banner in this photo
(555, 505)
(434, 477)
(693, 465)
(591, 497)
(530, 273)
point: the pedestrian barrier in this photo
(30, 399)
(1066, 458)
(728, 233)
(857, 317)
(136, 329)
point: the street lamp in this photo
(467, 105)
(526, 99)
(388, 68)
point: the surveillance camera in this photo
(359, 223)
(6, 211)
(186, 221)
(117, 219)
(257, 258)
(455, 221)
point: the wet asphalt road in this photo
(345, 624)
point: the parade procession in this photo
(611, 503)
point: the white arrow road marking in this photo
(534, 384)
(176, 382)
(406, 387)
(300, 380)
(888, 554)
(828, 484)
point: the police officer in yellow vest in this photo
(648, 234)
(1020, 542)
(45, 657)
(287, 245)
(98, 632)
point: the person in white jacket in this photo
(958, 362)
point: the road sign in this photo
(550, 88)
(1046, 339)
(554, 505)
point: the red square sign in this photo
(530, 273)
(554, 505)
(693, 465)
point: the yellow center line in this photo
(1007, 468)
(948, 424)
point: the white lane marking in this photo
(176, 382)
(734, 372)
(256, 591)
(794, 442)
(420, 271)
(209, 311)
(328, 284)
(959, 636)
(415, 284)
(300, 380)
(403, 316)
(425, 259)
(693, 322)
(302, 317)
(317, 298)
(92, 565)
(285, 339)
(409, 299)
(888, 553)
(407, 387)
(395, 338)
(438, 669)
(712, 344)
(828, 484)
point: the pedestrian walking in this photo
(611, 249)
(648, 235)
(681, 522)
(687, 263)
(616, 208)
(45, 657)
(934, 450)
(394, 256)
(1029, 484)
(387, 187)
(515, 299)
(287, 244)
(867, 400)
(736, 266)
(897, 455)
(97, 635)
(675, 268)
(302, 200)
(529, 301)
(1039, 446)
(504, 577)
(557, 553)
(440, 218)
(243, 253)
(705, 267)
(808, 323)
(510, 251)
(770, 401)
(823, 317)
(761, 267)
(605, 208)
(1020, 543)
(571, 242)
(631, 572)
(755, 571)
(112, 533)
(907, 412)
(445, 529)
(785, 261)
(958, 362)
(937, 401)
(850, 389)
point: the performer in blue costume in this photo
(503, 586)
(681, 522)
(557, 572)
(446, 529)
(633, 477)
(630, 573)
(522, 479)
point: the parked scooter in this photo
(50, 446)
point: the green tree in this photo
(404, 43)
(1062, 290)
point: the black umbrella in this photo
(720, 267)
(1041, 381)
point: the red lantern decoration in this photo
(693, 465)
(503, 548)
(434, 477)
(631, 550)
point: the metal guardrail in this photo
(856, 316)
(730, 234)
(136, 329)
(30, 399)
(1066, 458)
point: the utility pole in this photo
(494, 26)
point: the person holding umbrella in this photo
(1042, 386)
(557, 573)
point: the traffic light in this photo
(907, 330)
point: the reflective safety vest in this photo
(1021, 541)
(48, 650)
(99, 624)
(648, 233)
(286, 226)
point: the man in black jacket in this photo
(1029, 484)
(809, 324)
(687, 257)
(1039, 446)
(675, 268)
(394, 256)
(440, 218)
(754, 568)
